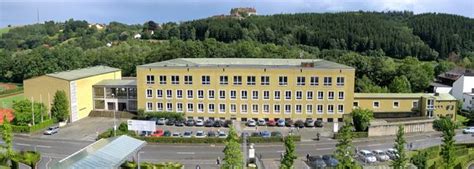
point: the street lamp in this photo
(115, 124)
(138, 158)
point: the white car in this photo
(51, 130)
(176, 134)
(200, 134)
(199, 122)
(468, 130)
(251, 123)
(187, 134)
(367, 156)
(380, 155)
(222, 134)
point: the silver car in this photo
(380, 155)
(52, 130)
(366, 156)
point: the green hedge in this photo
(167, 115)
(145, 165)
(361, 134)
(30, 158)
(206, 140)
(271, 139)
(8, 92)
(35, 128)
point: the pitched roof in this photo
(83, 73)
(246, 62)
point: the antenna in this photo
(37, 15)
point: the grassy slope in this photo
(7, 102)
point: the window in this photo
(415, 104)
(169, 93)
(299, 95)
(159, 93)
(224, 80)
(276, 108)
(243, 109)
(340, 108)
(200, 107)
(298, 108)
(430, 104)
(314, 81)
(330, 95)
(277, 95)
(255, 95)
(159, 106)
(206, 80)
(283, 80)
(162, 79)
(190, 94)
(233, 108)
(179, 94)
(200, 94)
(211, 108)
(320, 95)
(190, 108)
(266, 108)
(174, 79)
(237, 80)
(149, 93)
(265, 80)
(150, 79)
(330, 109)
(266, 95)
(188, 79)
(250, 80)
(179, 107)
(169, 106)
(340, 81)
(243, 94)
(221, 108)
(287, 109)
(355, 104)
(396, 104)
(149, 106)
(340, 95)
(376, 104)
(255, 108)
(211, 94)
(221, 94)
(309, 109)
(300, 81)
(327, 81)
(320, 109)
(309, 95)
(288, 95)
(233, 94)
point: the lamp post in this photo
(138, 159)
(115, 124)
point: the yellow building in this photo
(76, 83)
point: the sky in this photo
(21, 12)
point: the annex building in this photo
(236, 88)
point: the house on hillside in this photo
(243, 12)
(458, 82)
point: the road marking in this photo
(190, 153)
(280, 151)
(43, 146)
(22, 144)
(324, 148)
(373, 145)
(47, 163)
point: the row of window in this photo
(396, 104)
(244, 108)
(251, 80)
(244, 94)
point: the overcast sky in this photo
(20, 12)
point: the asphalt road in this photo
(204, 154)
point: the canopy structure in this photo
(104, 153)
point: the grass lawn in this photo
(7, 102)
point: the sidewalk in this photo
(275, 163)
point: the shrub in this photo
(271, 139)
(163, 165)
(207, 140)
(355, 135)
(29, 158)
(123, 127)
(361, 118)
(167, 115)
(420, 159)
(28, 129)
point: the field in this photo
(4, 30)
(7, 102)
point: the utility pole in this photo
(37, 15)
(32, 109)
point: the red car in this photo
(158, 133)
(271, 123)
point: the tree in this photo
(361, 118)
(7, 137)
(60, 110)
(447, 148)
(400, 84)
(420, 160)
(232, 152)
(400, 161)
(23, 115)
(344, 147)
(290, 155)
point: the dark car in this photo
(318, 123)
(218, 123)
(167, 133)
(330, 161)
(170, 122)
(299, 123)
(289, 123)
(209, 123)
(276, 134)
(316, 162)
(179, 123)
(211, 134)
(227, 123)
(309, 123)
(190, 122)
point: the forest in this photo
(391, 51)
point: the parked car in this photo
(187, 134)
(190, 122)
(309, 123)
(170, 122)
(255, 134)
(318, 123)
(316, 162)
(158, 133)
(468, 130)
(52, 130)
(289, 123)
(367, 156)
(265, 134)
(145, 133)
(271, 123)
(209, 123)
(167, 133)
(380, 155)
(200, 134)
(179, 123)
(218, 123)
(251, 123)
(176, 134)
(280, 122)
(276, 134)
(155, 119)
(161, 121)
(392, 153)
(228, 123)
(261, 122)
(330, 160)
(199, 122)
(299, 123)
(211, 134)
(222, 134)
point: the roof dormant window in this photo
(283, 80)
(150, 79)
(265, 80)
(250, 80)
(206, 80)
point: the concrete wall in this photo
(43, 88)
(384, 128)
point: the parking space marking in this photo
(22, 144)
(188, 153)
(43, 146)
(373, 145)
(329, 148)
